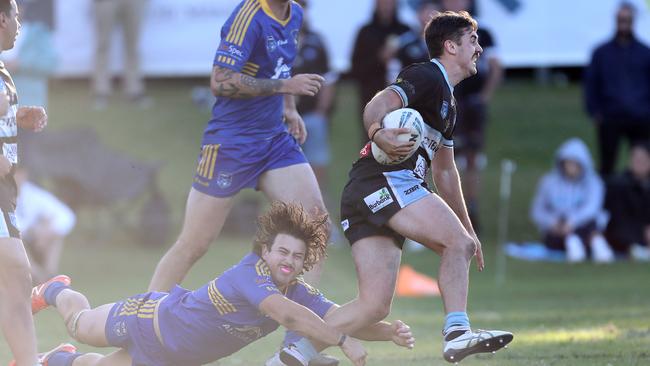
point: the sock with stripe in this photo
(52, 291)
(62, 358)
(456, 324)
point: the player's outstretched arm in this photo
(229, 83)
(300, 319)
(383, 103)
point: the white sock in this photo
(575, 249)
(600, 250)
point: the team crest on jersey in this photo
(444, 110)
(294, 35)
(271, 44)
(224, 180)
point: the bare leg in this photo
(204, 219)
(432, 222)
(377, 261)
(15, 313)
(83, 324)
(296, 183)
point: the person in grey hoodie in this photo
(568, 205)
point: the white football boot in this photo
(479, 341)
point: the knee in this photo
(465, 246)
(376, 311)
(193, 250)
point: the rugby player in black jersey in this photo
(383, 204)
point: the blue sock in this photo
(52, 291)
(457, 320)
(62, 359)
(306, 348)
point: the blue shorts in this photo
(317, 146)
(130, 326)
(225, 169)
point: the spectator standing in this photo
(370, 57)
(128, 14)
(410, 47)
(472, 97)
(628, 202)
(568, 205)
(617, 90)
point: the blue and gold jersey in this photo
(257, 44)
(223, 316)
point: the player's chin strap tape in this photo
(75, 322)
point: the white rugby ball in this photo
(401, 118)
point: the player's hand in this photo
(354, 350)
(295, 125)
(479, 254)
(386, 139)
(5, 166)
(31, 118)
(303, 84)
(4, 103)
(402, 335)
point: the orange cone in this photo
(413, 284)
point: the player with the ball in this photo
(410, 125)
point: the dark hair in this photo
(447, 26)
(291, 219)
(5, 6)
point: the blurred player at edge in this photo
(15, 315)
(252, 139)
(383, 204)
(240, 306)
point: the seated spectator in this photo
(628, 202)
(44, 221)
(568, 206)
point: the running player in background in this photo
(242, 305)
(15, 280)
(252, 140)
(383, 204)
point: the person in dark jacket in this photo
(617, 90)
(370, 56)
(628, 202)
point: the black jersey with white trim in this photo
(424, 87)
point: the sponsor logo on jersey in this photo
(378, 200)
(444, 110)
(365, 151)
(224, 180)
(282, 70)
(345, 224)
(294, 35)
(235, 51)
(119, 329)
(411, 190)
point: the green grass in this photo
(562, 314)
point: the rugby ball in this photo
(401, 118)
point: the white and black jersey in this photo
(424, 87)
(8, 141)
(376, 192)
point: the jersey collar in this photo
(444, 73)
(269, 12)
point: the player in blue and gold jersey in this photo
(253, 137)
(245, 303)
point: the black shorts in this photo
(367, 203)
(8, 226)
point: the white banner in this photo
(180, 36)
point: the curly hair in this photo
(445, 26)
(292, 219)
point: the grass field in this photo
(561, 314)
